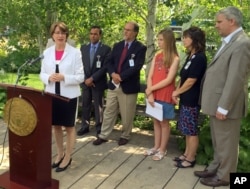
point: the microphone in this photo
(36, 59)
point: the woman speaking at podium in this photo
(62, 73)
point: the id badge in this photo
(187, 65)
(131, 63)
(98, 64)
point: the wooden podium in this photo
(29, 155)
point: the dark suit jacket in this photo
(98, 74)
(130, 75)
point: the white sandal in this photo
(159, 156)
(150, 152)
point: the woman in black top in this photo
(188, 91)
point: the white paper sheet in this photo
(156, 111)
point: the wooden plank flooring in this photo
(110, 166)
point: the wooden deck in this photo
(110, 166)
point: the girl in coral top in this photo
(160, 85)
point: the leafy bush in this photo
(244, 149)
(143, 122)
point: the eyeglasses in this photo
(60, 33)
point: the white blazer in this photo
(70, 66)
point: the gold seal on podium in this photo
(20, 116)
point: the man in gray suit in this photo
(225, 96)
(94, 57)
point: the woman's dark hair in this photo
(198, 37)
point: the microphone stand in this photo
(18, 71)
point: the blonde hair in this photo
(169, 47)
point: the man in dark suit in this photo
(225, 96)
(124, 65)
(94, 57)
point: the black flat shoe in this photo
(180, 158)
(60, 169)
(55, 165)
(180, 165)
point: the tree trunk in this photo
(150, 33)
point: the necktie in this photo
(57, 89)
(123, 55)
(91, 55)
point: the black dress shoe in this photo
(55, 165)
(122, 141)
(99, 141)
(204, 174)
(60, 169)
(82, 131)
(214, 181)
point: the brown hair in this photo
(169, 48)
(198, 38)
(62, 26)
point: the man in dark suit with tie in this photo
(225, 96)
(124, 65)
(94, 58)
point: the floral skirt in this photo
(188, 120)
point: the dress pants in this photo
(88, 95)
(225, 138)
(118, 101)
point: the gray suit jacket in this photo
(226, 79)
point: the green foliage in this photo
(29, 80)
(143, 122)
(29, 22)
(2, 101)
(15, 52)
(244, 149)
(205, 149)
